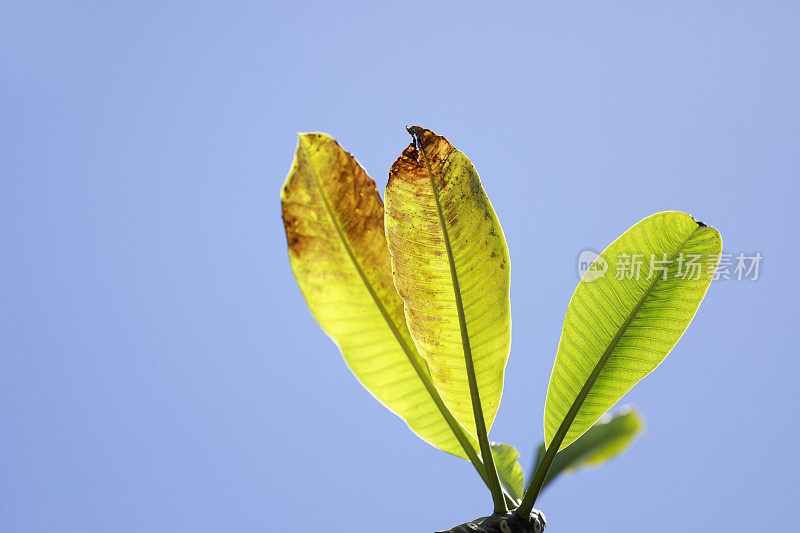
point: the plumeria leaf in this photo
(451, 267)
(621, 325)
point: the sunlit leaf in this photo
(333, 217)
(610, 436)
(451, 267)
(621, 325)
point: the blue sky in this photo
(160, 369)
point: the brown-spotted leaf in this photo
(450, 264)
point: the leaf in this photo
(333, 218)
(450, 265)
(511, 474)
(617, 331)
(609, 437)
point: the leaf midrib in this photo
(480, 423)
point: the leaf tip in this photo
(426, 139)
(312, 137)
(699, 222)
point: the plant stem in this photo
(493, 479)
(535, 486)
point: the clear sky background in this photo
(160, 370)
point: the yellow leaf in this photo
(451, 266)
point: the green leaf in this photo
(333, 218)
(511, 474)
(609, 437)
(434, 221)
(620, 326)
(627, 313)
